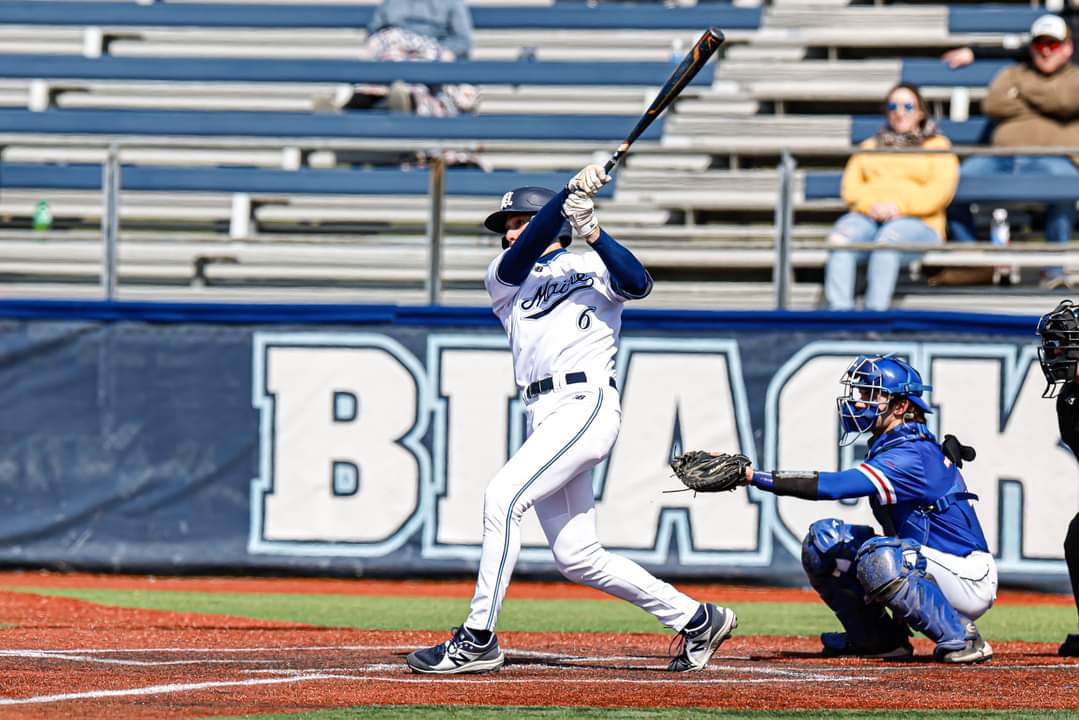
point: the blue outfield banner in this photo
(359, 440)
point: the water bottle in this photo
(1000, 234)
(42, 218)
(678, 50)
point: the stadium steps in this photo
(867, 80)
(724, 98)
(178, 157)
(713, 190)
(302, 97)
(541, 44)
(375, 212)
(124, 95)
(274, 158)
(760, 132)
(888, 26)
(817, 5)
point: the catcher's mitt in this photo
(704, 472)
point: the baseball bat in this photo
(691, 64)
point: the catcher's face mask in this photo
(864, 399)
(1059, 350)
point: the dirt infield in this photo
(84, 660)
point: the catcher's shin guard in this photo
(828, 553)
(892, 570)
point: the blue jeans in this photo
(883, 265)
(1059, 217)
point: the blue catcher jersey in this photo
(916, 487)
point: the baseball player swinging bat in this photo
(691, 64)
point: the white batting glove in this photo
(590, 180)
(581, 213)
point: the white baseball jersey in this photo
(564, 317)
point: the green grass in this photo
(466, 712)
(1039, 623)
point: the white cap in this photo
(1049, 26)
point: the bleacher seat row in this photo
(314, 15)
(600, 128)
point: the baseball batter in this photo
(562, 312)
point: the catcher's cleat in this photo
(702, 637)
(462, 653)
(975, 649)
(1070, 646)
(837, 644)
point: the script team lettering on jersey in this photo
(560, 290)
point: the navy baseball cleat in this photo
(975, 649)
(838, 644)
(702, 637)
(1070, 646)
(462, 653)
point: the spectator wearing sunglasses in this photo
(1034, 104)
(893, 198)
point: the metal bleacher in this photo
(212, 103)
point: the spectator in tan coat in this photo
(1035, 103)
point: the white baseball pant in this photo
(570, 430)
(969, 583)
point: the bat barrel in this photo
(697, 57)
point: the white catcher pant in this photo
(570, 431)
(969, 583)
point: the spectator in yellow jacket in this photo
(892, 198)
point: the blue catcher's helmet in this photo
(873, 380)
(524, 201)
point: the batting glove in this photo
(581, 213)
(590, 180)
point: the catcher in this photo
(931, 568)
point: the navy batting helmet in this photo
(523, 201)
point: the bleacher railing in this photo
(994, 189)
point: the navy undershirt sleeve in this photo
(542, 230)
(629, 278)
(815, 485)
(796, 484)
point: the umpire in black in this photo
(1059, 357)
